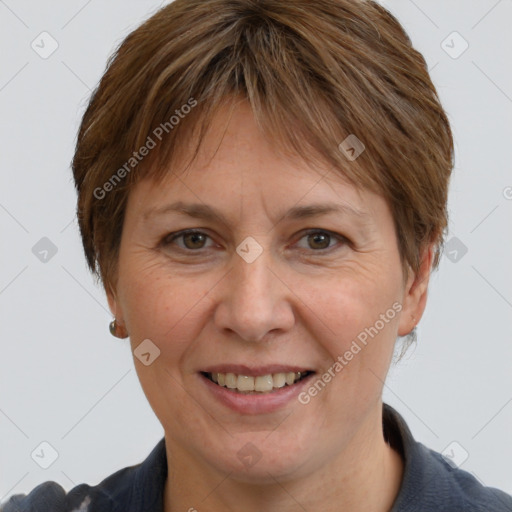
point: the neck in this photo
(365, 476)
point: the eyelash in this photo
(170, 238)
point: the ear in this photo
(415, 293)
(117, 328)
(112, 301)
(114, 306)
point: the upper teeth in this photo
(262, 383)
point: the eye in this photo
(319, 240)
(193, 240)
(187, 240)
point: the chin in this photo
(267, 456)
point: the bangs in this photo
(335, 83)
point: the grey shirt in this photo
(430, 484)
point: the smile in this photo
(262, 389)
(261, 384)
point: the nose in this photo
(254, 301)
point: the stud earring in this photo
(117, 330)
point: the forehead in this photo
(239, 169)
(235, 144)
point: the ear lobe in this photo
(114, 307)
(112, 301)
(117, 327)
(415, 293)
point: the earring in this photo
(114, 330)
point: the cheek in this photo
(354, 310)
(168, 309)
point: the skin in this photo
(302, 301)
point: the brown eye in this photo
(194, 240)
(319, 240)
(191, 241)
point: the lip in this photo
(255, 371)
(254, 403)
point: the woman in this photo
(262, 190)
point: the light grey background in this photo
(66, 381)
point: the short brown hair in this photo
(313, 72)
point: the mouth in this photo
(256, 384)
(253, 390)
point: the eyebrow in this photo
(203, 211)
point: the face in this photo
(258, 266)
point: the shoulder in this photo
(134, 488)
(453, 489)
(431, 482)
(82, 498)
(50, 496)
